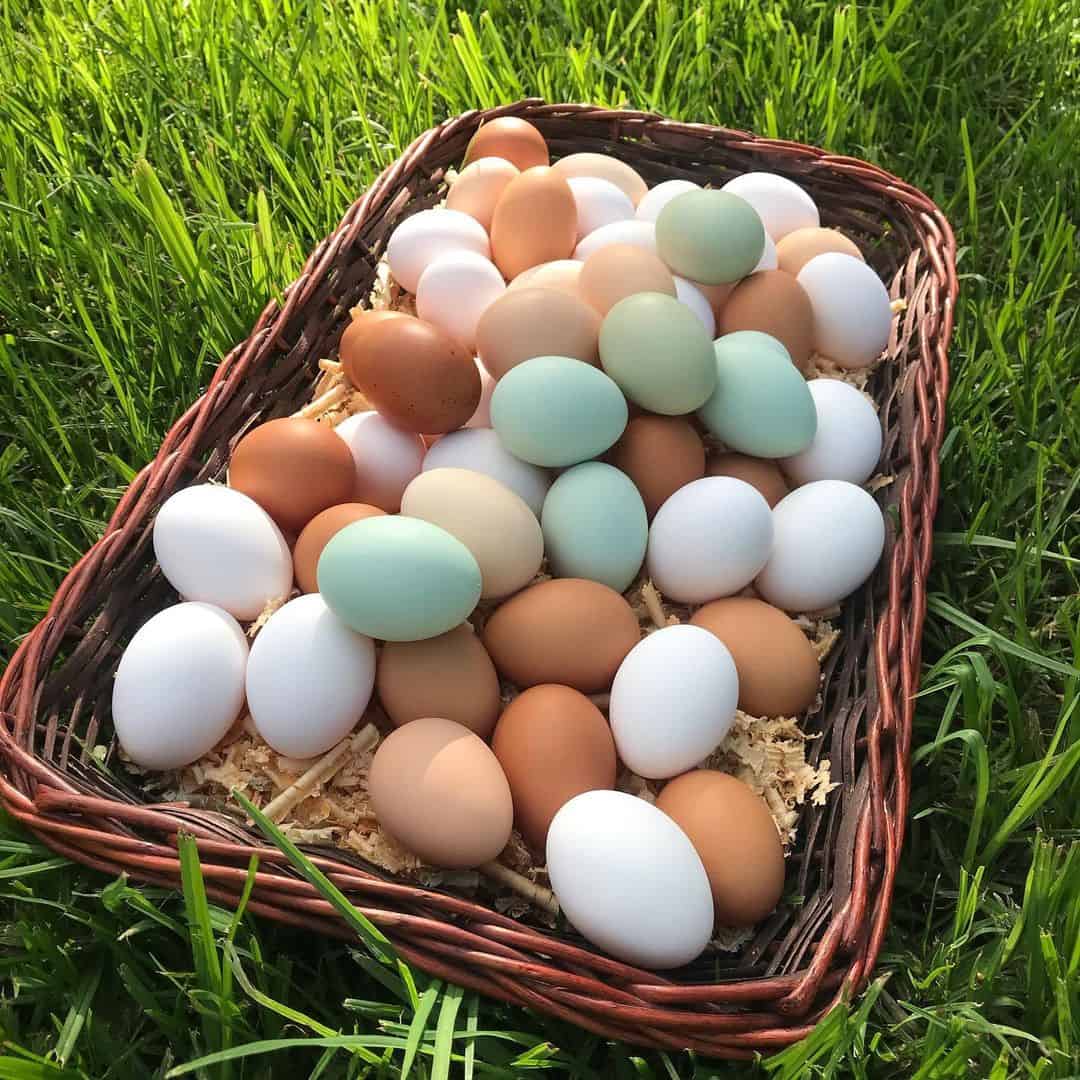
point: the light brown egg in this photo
(775, 303)
(535, 221)
(732, 830)
(796, 249)
(553, 743)
(778, 669)
(562, 274)
(476, 191)
(757, 472)
(606, 168)
(438, 789)
(510, 138)
(293, 468)
(660, 454)
(620, 270)
(524, 323)
(451, 674)
(316, 535)
(415, 375)
(567, 631)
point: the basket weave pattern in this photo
(823, 941)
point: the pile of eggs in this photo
(602, 380)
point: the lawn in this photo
(166, 165)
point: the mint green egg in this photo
(595, 525)
(554, 411)
(710, 236)
(658, 352)
(398, 578)
(761, 405)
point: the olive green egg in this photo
(761, 405)
(658, 352)
(710, 236)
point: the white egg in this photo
(828, 537)
(689, 294)
(657, 198)
(640, 234)
(629, 880)
(179, 686)
(673, 701)
(481, 450)
(482, 417)
(781, 204)
(455, 290)
(599, 202)
(386, 457)
(852, 314)
(709, 539)
(309, 678)
(769, 259)
(419, 240)
(847, 444)
(218, 546)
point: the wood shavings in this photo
(264, 615)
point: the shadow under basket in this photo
(824, 939)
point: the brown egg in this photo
(757, 472)
(620, 270)
(410, 371)
(511, 138)
(476, 191)
(524, 323)
(553, 743)
(606, 168)
(567, 631)
(293, 468)
(316, 535)
(796, 249)
(562, 274)
(660, 454)
(437, 788)
(778, 669)
(775, 303)
(535, 221)
(732, 830)
(717, 295)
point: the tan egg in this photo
(660, 454)
(562, 274)
(524, 323)
(451, 674)
(620, 270)
(553, 743)
(476, 191)
(796, 249)
(437, 788)
(606, 168)
(717, 295)
(316, 535)
(535, 221)
(778, 668)
(511, 138)
(567, 631)
(734, 834)
(757, 472)
(775, 303)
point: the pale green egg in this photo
(710, 236)
(758, 337)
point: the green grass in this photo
(164, 167)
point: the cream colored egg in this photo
(562, 274)
(478, 187)
(607, 168)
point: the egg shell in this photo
(710, 539)
(316, 536)
(802, 245)
(734, 834)
(778, 669)
(535, 221)
(781, 204)
(847, 443)
(656, 198)
(478, 187)
(488, 518)
(179, 685)
(567, 631)
(510, 138)
(398, 579)
(595, 526)
(769, 259)
(717, 295)
(686, 292)
(629, 880)
(481, 417)
(620, 270)
(218, 546)
(852, 312)
(598, 202)
(481, 450)
(561, 274)
(385, 458)
(451, 675)
(660, 454)
(455, 290)
(438, 789)
(554, 411)
(606, 168)
(772, 303)
(658, 352)
(553, 743)
(420, 239)
(525, 323)
(710, 236)
(765, 476)
(641, 234)
(828, 538)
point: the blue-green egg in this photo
(758, 337)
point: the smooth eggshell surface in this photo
(656, 198)
(385, 458)
(478, 187)
(847, 443)
(660, 454)
(763, 475)
(620, 270)
(606, 168)
(419, 240)
(511, 138)
(640, 234)
(710, 236)
(562, 274)
(316, 535)
(781, 204)
(802, 245)
(769, 259)
(599, 202)
(455, 290)
(535, 221)
(481, 418)
(773, 303)
(686, 292)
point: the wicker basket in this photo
(56, 691)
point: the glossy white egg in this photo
(455, 290)
(386, 458)
(420, 239)
(599, 202)
(657, 198)
(482, 417)
(640, 234)
(690, 295)
(781, 204)
(769, 259)
(847, 444)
